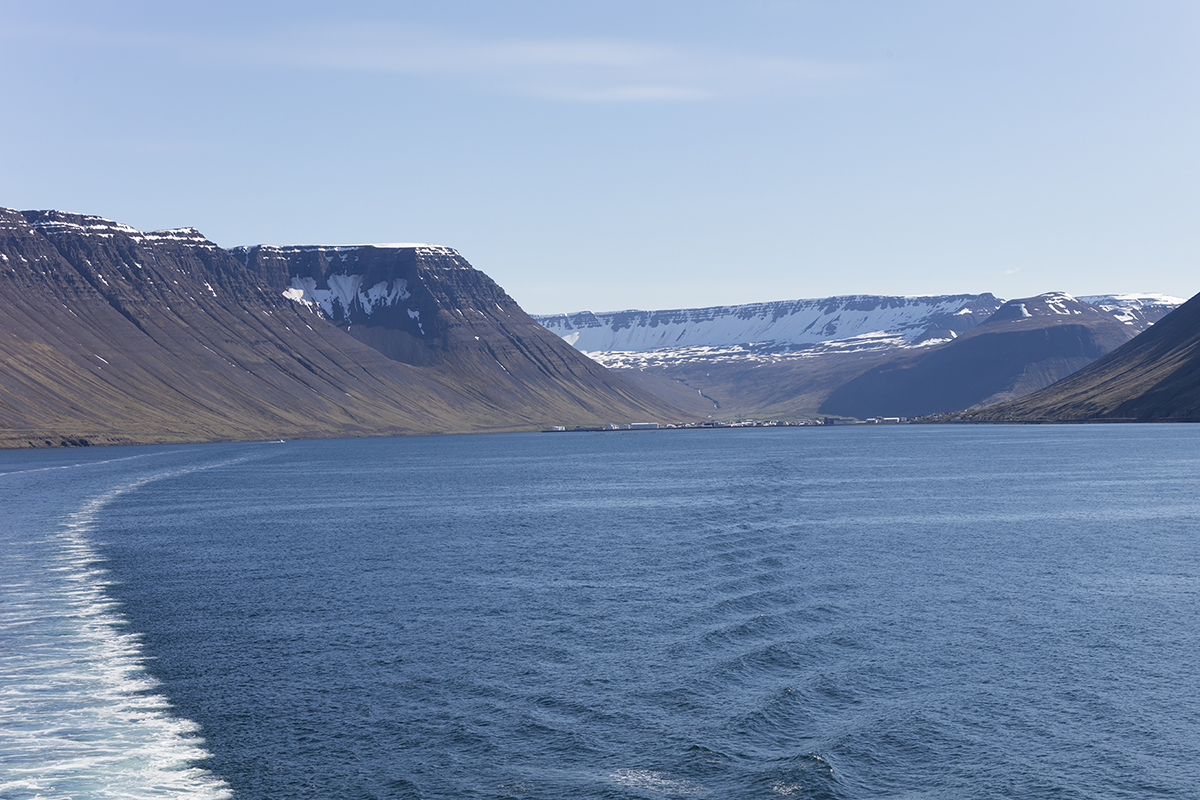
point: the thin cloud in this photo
(574, 70)
(574, 93)
(412, 50)
(581, 70)
(569, 70)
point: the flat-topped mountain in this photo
(775, 325)
(424, 305)
(110, 334)
(1155, 376)
(859, 356)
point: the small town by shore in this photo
(743, 423)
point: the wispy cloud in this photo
(581, 70)
(574, 70)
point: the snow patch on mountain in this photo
(793, 322)
(354, 252)
(800, 329)
(344, 291)
(57, 223)
(1060, 303)
(1138, 310)
(1132, 300)
(60, 223)
(875, 341)
(188, 236)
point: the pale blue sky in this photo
(652, 154)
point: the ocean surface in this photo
(911, 612)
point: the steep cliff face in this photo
(1026, 345)
(110, 334)
(376, 292)
(1153, 377)
(425, 305)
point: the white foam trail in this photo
(79, 716)
(78, 465)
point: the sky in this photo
(653, 154)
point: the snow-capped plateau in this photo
(800, 329)
(782, 323)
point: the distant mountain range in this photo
(1025, 345)
(873, 322)
(112, 335)
(1155, 376)
(860, 356)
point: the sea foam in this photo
(79, 714)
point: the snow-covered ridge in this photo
(800, 329)
(1132, 300)
(344, 252)
(790, 322)
(59, 223)
(1050, 304)
(1138, 311)
(1135, 309)
(189, 236)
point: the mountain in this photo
(1026, 345)
(852, 355)
(1153, 377)
(1138, 311)
(794, 323)
(764, 359)
(425, 306)
(113, 335)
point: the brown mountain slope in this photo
(1024, 346)
(426, 306)
(111, 335)
(1153, 377)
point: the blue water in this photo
(883, 612)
